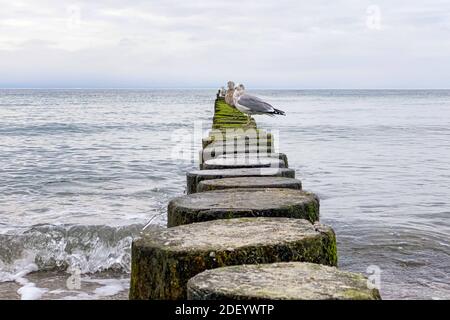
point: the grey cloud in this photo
(200, 43)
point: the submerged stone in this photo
(234, 203)
(249, 182)
(193, 178)
(163, 260)
(280, 281)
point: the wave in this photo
(57, 128)
(86, 249)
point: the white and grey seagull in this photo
(249, 104)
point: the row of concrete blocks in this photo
(247, 233)
(245, 229)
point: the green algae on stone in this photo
(226, 116)
(193, 178)
(249, 182)
(235, 203)
(163, 260)
(280, 281)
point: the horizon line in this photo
(203, 88)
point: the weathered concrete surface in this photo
(234, 203)
(193, 178)
(280, 281)
(164, 260)
(249, 182)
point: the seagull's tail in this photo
(277, 111)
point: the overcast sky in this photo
(204, 43)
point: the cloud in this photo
(196, 43)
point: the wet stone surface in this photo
(163, 260)
(280, 281)
(244, 202)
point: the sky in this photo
(204, 43)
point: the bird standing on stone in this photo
(229, 93)
(249, 104)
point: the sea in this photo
(83, 171)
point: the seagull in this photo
(229, 93)
(249, 104)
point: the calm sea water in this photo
(82, 171)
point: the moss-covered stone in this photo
(163, 260)
(280, 281)
(226, 116)
(234, 203)
(249, 182)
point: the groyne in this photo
(245, 230)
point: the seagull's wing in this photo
(255, 104)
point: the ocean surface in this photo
(82, 172)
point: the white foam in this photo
(30, 292)
(89, 249)
(110, 287)
(21, 268)
(109, 290)
(85, 249)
